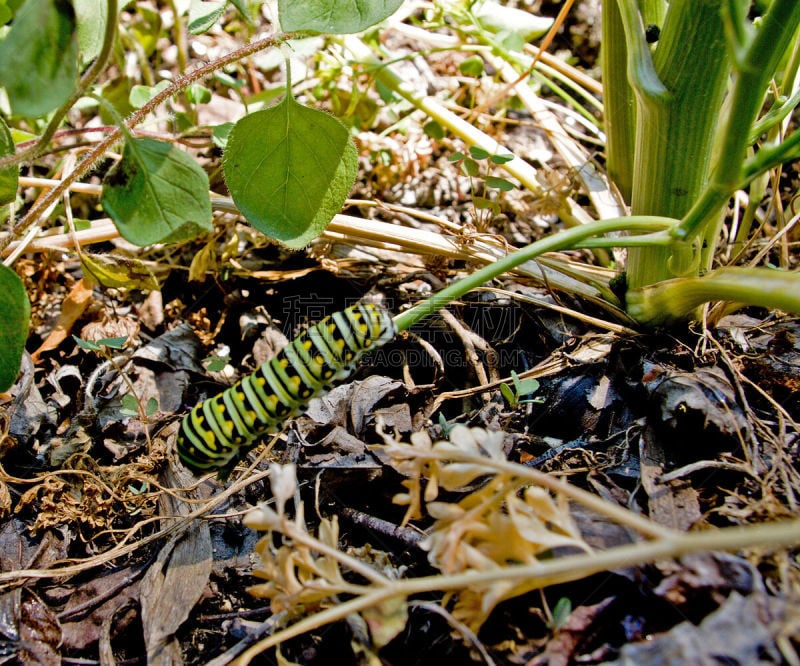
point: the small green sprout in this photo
(101, 346)
(130, 406)
(516, 396)
(444, 425)
(216, 363)
(561, 612)
(476, 165)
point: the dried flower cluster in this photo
(504, 521)
(496, 520)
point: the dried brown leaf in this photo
(720, 638)
(171, 587)
(91, 607)
(72, 308)
(564, 646)
(39, 632)
(673, 504)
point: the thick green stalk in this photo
(756, 63)
(676, 117)
(618, 98)
(671, 301)
(618, 103)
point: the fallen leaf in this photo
(742, 631)
(72, 308)
(82, 621)
(175, 582)
(576, 630)
(673, 504)
(30, 629)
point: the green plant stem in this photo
(565, 239)
(679, 97)
(618, 96)
(45, 201)
(179, 36)
(781, 110)
(525, 578)
(640, 68)
(769, 157)
(673, 300)
(756, 65)
(85, 82)
(619, 113)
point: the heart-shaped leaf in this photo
(289, 169)
(157, 194)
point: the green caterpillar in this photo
(221, 429)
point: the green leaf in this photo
(496, 17)
(16, 309)
(9, 177)
(130, 405)
(289, 169)
(118, 272)
(501, 159)
(141, 95)
(216, 363)
(198, 94)
(228, 80)
(434, 130)
(499, 183)
(444, 425)
(157, 194)
(561, 612)
(151, 407)
(472, 66)
(456, 156)
(203, 14)
(87, 345)
(524, 386)
(478, 153)
(470, 167)
(482, 203)
(334, 16)
(117, 93)
(91, 18)
(386, 94)
(113, 343)
(241, 5)
(39, 57)
(98, 345)
(508, 393)
(220, 133)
